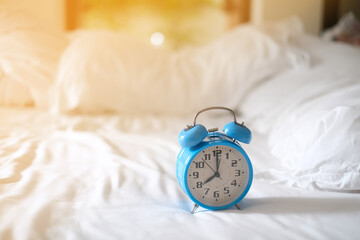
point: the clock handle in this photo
(233, 129)
(213, 108)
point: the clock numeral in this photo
(227, 155)
(217, 152)
(233, 163)
(195, 175)
(237, 173)
(199, 164)
(233, 183)
(207, 156)
(226, 190)
(199, 184)
(216, 194)
(206, 190)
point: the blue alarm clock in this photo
(212, 168)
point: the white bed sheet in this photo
(312, 118)
(113, 177)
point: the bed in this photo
(89, 125)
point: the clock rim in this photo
(203, 146)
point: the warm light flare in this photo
(157, 38)
(182, 22)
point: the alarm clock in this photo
(212, 168)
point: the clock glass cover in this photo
(218, 175)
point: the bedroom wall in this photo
(349, 5)
(50, 11)
(309, 11)
(335, 9)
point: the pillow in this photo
(106, 71)
(312, 118)
(29, 55)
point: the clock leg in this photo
(238, 206)
(194, 208)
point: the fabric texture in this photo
(113, 177)
(312, 118)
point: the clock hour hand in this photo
(210, 178)
(216, 174)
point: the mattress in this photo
(113, 177)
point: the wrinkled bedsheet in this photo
(113, 177)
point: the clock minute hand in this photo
(217, 174)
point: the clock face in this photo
(218, 175)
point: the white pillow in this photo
(312, 118)
(106, 71)
(29, 55)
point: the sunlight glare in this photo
(157, 38)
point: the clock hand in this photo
(218, 160)
(208, 165)
(210, 178)
(216, 174)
